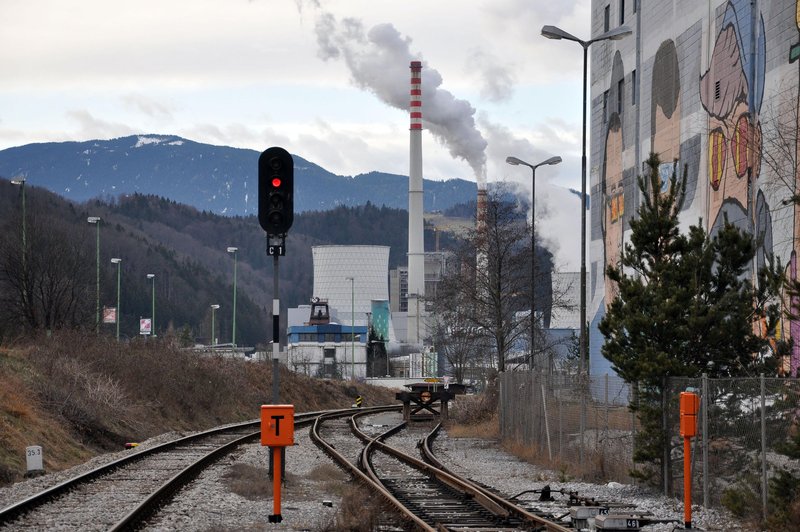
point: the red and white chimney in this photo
(416, 251)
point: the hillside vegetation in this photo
(78, 396)
(184, 248)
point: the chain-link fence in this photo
(583, 422)
(745, 432)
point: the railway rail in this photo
(427, 497)
(123, 494)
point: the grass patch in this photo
(487, 429)
(78, 395)
(249, 481)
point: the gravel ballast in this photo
(314, 489)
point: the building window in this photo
(622, 12)
(605, 107)
(633, 85)
(635, 5)
(606, 18)
(620, 95)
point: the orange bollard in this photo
(690, 405)
(277, 432)
(276, 487)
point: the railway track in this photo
(123, 494)
(427, 497)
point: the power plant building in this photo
(329, 336)
(351, 276)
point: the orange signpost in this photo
(690, 405)
(277, 431)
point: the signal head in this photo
(275, 191)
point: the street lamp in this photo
(213, 309)
(552, 32)
(118, 262)
(514, 161)
(152, 277)
(233, 333)
(21, 182)
(352, 326)
(96, 220)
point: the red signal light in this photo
(276, 182)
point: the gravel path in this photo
(315, 488)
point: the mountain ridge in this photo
(219, 179)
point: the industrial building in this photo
(329, 337)
(713, 86)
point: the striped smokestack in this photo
(416, 251)
(482, 260)
(480, 215)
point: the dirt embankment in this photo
(78, 395)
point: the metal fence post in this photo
(605, 432)
(665, 466)
(704, 417)
(763, 447)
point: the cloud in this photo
(378, 61)
(90, 127)
(148, 106)
(497, 80)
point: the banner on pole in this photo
(109, 315)
(145, 326)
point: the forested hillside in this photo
(186, 250)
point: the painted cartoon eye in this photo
(716, 157)
(739, 145)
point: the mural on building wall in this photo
(709, 119)
(793, 302)
(612, 218)
(665, 111)
(731, 93)
(613, 200)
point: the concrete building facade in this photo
(712, 84)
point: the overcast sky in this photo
(327, 80)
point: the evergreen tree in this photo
(685, 305)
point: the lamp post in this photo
(96, 221)
(233, 333)
(352, 326)
(21, 182)
(514, 161)
(213, 309)
(118, 262)
(552, 32)
(152, 277)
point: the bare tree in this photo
(45, 284)
(456, 337)
(780, 142)
(489, 281)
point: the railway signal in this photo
(276, 191)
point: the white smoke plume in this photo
(378, 60)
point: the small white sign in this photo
(145, 325)
(446, 379)
(109, 315)
(33, 455)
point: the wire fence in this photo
(745, 426)
(569, 419)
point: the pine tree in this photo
(685, 305)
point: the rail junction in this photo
(420, 493)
